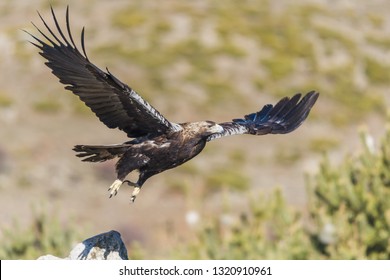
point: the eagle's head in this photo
(202, 129)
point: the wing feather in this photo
(284, 117)
(113, 102)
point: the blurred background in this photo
(197, 60)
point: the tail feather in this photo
(100, 153)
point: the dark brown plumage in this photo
(157, 143)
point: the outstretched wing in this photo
(113, 102)
(284, 117)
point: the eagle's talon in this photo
(113, 189)
(135, 193)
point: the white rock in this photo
(105, 246)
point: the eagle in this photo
(155, 144)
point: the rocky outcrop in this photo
(105, 246)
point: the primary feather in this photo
(287, 115)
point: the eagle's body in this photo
(151, 155)
(156, 144)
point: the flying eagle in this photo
(156, 143)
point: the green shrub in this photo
(45, 235)
(129, 18)
(350, 205)
(279, 66)
(5, 100)
(377, 72)
(229, 178)
(47, 106)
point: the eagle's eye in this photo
(210, 124)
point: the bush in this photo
(44, 236)
(350, 205)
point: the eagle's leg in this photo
(128, 162)
(144, 175)
(113, 189)
(136, 190)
